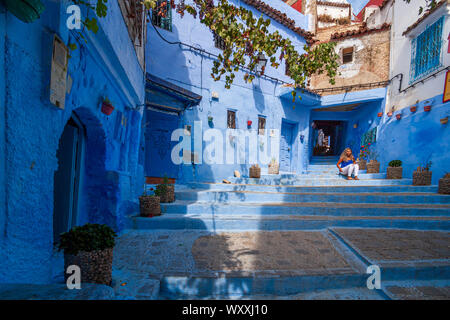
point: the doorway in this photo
(328, 137)
(66, 189)
(286, 140)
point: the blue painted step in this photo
(212, 222)
(220, 196)
(309, 208)
(278, 188)
(320, 181)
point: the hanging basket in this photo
(274, 168)
(95, 266)
(427, 108)
(169, 195)
(25, 10)
(444, 186)
(422, 178)
(413, 109)
(362, 164)
(149, 206)
(394, 172)
(255, 172)
(373, 166)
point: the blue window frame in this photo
(426, 51)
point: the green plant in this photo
(395, 163)
(89, 237)
(161, 189)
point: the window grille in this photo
(219, 43)
(231, 119)
(426, 51)
(160, 21)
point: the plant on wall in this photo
(429, 4)
(247, 37)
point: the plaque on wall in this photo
(58, 73)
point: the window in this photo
(347, 55)
(219, 43)
(231, 119)
(426, 51)
(261, 125)
(163, 20)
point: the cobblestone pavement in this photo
(393, 247)
(419, 293)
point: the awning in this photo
(165, 95)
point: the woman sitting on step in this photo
(348, 166)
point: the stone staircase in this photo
(318, 199)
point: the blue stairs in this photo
(318, 199)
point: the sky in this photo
(357, 5)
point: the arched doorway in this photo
(67, 178)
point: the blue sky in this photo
(357, 5)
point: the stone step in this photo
(232, 222)
(282, 188)
(309, 208)
(220, 196)
(320, 181)
(321, 175)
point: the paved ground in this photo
(317, 260)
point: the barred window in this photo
(219, 43)
(231, 119)
(426, 51)
(261, 125)
(163, 20)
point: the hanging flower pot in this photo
(249, 123)
(107, 107)
(444, 120)
(426, 108)
(389, 114)
(398, 116)
(380, 114)
(413, 108)
(25, 10)
(210, 119)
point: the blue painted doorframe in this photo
(286, 139)
(158, 144)
(67, 177)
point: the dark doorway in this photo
(328, 137)
(67, 177)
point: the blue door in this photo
(67, 177)
(287, 133)
(158, 147)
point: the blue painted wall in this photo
(417, 138)
(111, 177)
(190, 70)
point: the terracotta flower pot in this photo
(107, 108)
(380, 114)
(149, 206)
(398, 116)
(394, 172)
(427, 108)
(95, 266)
(389, 114)
(249, 123)
(444, 120)
(274, 168)
(413, 108)
(255, 172)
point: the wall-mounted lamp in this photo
(262, 62)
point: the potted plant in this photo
(255, 171)
(210, 118)
(444, 184)
(395, 170)
(414, 107)
(444, 120)
(362, 158)
(249, 123)
(373, 166)
(90, 247)
(107, 107)
(427, 108)
(380, 114)
(274, 167)
(389, 114)
(149, 204)
(25, 10)
(165, 191)
(422, 175)
(398, 116)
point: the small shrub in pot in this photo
(444, 184)
(149, 204)
(90, 247)
(422, 176)
(165, 191)
(395, 170)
